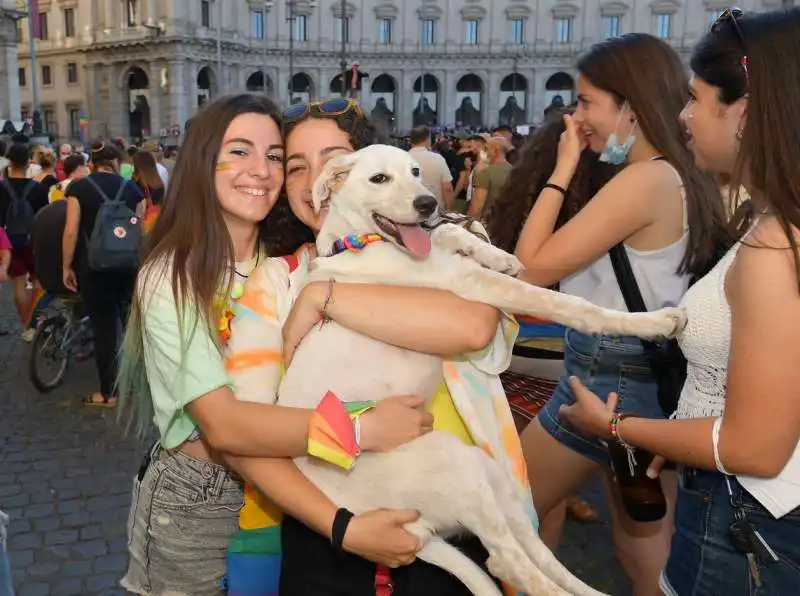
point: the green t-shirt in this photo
(492, 178)
(182, 360)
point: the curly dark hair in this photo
(281, 232)
(507, 214)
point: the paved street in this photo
(65, 473)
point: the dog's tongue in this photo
(415, 239)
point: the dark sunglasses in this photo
(732, 15)
(336, 106)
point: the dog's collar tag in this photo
(354, 243)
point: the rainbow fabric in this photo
(39, 300)
(330, 434)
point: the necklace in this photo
(237, 290)
(354, 243)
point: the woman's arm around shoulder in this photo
(622, 207)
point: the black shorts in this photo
(311, 568)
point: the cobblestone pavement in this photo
(65, 478)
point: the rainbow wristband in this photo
(331, 433)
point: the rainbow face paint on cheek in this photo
(224, 166)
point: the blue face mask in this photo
(615, 153)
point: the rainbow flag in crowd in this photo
(39, 300)
(83, 125)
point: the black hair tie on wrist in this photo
(560, 189)
(340, 522)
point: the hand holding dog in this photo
(394, 422)
(378, 536)
(304, 315)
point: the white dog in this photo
(456, 488)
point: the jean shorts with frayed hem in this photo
(605, 364)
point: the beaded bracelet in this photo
(613, 429)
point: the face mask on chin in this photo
(615, 153)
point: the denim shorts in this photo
(605, 364)
(183, 514)
(702, 560)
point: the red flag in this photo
(33, 14)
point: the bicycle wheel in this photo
(48, 344)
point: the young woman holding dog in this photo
(188, 493)
(667, 215)
(738, 418)
(314, 134)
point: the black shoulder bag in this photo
(666, 359)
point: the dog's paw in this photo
(495, 259)
(666, 322)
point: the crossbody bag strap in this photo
(628, 285)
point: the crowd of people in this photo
(630, 179)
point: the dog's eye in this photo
(415, 172)
(379, 179)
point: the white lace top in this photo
(706, 343)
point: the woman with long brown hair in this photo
(205, 244)
(736, 434)
(667, 218)
(504, 221)
(145, 174)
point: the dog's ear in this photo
(332, 178)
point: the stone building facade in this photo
(130, 67)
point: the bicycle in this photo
(59, 338)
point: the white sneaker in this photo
(27, 335)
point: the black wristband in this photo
(340, 522)
(563, 191)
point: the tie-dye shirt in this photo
(470, 402)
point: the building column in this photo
(192, 68)
(492, 97)
(538, 99)
(448, 95)
(9, 64)
(118, 102)
(93, 105)
(177, 112)
(108, 13)
(151, 18)
(156, 97)
(405, 118)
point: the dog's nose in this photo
(425, 205)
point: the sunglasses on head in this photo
(733, 15)
(335, 106)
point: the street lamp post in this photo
(514, 88)
(343, 62)
(290, 19)
(219, 47)
(37, 114)
(267, 6)
(422, 41)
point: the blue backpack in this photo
(117, 234)
(19, 215)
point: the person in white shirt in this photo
(435, 173)
(736, 431)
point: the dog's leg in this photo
(517, 297)
(522, 529)
(457, 240)
(437, 551)
(480, 512)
